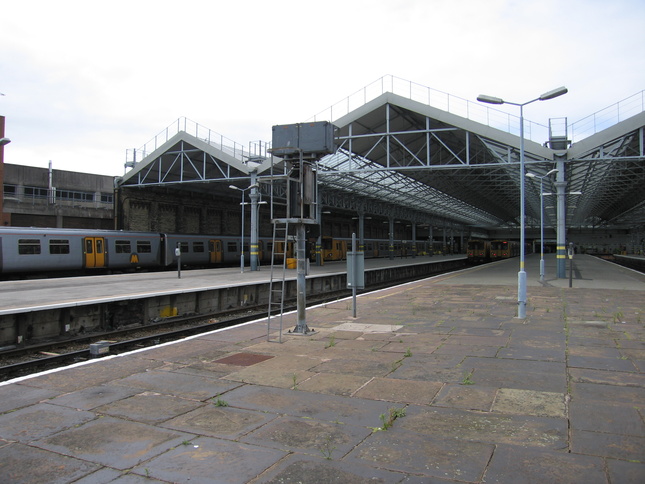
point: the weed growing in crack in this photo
(468, 378)
(389, 418)
(327, 448)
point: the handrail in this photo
(607, 117)
(474, 111)
(486, 115)
(234, 149)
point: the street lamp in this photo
(521, 275)
(243, 190)
(533, 175)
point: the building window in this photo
(58, 246)
(107, 198)
(28, 246)
(35, 192)
(10, 190)
(74, 195)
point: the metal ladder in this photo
(277, 283)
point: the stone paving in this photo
(433, 382)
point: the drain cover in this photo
(243, 359)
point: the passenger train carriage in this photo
(48, 250)
(24, 250)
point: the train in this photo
(479, 250)
(27, 250)
(335, 248)
(57, 250)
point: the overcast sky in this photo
(83, 81)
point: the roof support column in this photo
(350, 137)
(445, 247)
(361, 231)
(387, 134)
(428, 137)
(319, 258)
(255, 226)
(391, 237)
(414, 240)
(561, 237)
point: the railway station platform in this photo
(46, 294)
(434, 381)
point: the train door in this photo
(215, 251)
(94, 249)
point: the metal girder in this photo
(401, 156)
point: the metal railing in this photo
(472, 110)
(607, 117)
(219, 141)
(480, 113)
(465, 108)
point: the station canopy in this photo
(412, 153)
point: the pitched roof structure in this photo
(420, 155)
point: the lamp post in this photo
(243, 190)
(533, 175)
(521, 275)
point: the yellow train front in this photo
(504, 249)
(478, 250)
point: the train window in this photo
(122, 247)
(58, 246)
(184, 247)
(198, 247)
(28, 246)
(232, 247)
(144, 247)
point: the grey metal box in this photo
(317, 138)
(99, 348)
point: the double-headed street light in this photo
(521, 276)
(243, 190)
(533, 175)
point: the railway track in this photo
(25, 361)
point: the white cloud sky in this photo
(84, 81)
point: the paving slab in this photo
(38, 421)
(178, 384)
(148, 407)
(487, 427)
(446, 458)
(207, 460)
(480, 396)
(468, 397)
(114, 442)
(15, 396)
(300, 469)
(219, 420)
(400, 391)
(329, 440)
(13, 458)
(521, 465)
(90, 398)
